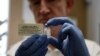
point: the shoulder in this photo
(11, 51)
(93, 47)
(13, 48)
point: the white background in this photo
(4, 14)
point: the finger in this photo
(55, 43)
(42, 50)
(64, 33)
(39, 42)
(58, 21)
(71, 30)
(66, 48)
(77, 43)
(61, 35)
(66, 25)
(27, 43)
(67, 29)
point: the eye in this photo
(51, 1)
(36, 2)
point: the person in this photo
(66, 38)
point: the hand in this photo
(70, 40)
(36, 45)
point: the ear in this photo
(70, 3)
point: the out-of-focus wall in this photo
(15, 19)
(93, 21)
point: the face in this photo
(47, 9)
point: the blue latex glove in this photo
(36, 45)
(70, 40)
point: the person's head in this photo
(46, 9)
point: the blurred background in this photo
(14, 12)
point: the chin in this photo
(41, 22)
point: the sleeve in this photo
(96, 49)
(11, 51)
(13, 48)
(93, 47)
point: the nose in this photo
(44, 8)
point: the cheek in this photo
(58, 10)
(35, 13)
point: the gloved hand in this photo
(70, 40)
(36, 45)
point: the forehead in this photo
(36, 0)
(40, 0)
